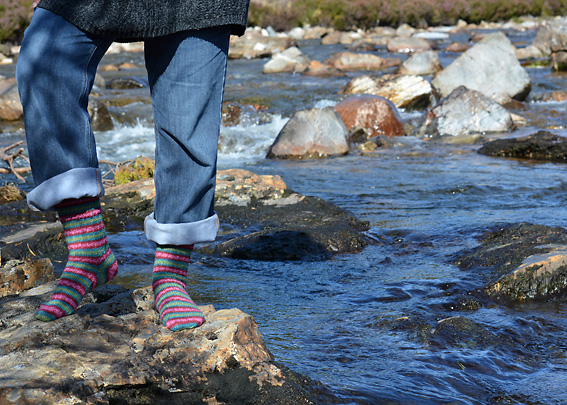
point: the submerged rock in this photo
(542, 145)
(491, 67)
(311, 134)
(466, 112)
(114, 350)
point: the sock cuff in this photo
(77, 206)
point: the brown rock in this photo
(332, 38)
(318, 69)
(374, 113)
(17, 276)
(255, 45)
(457, 47)
(116, 350)
(10, 104)
(349, 61)
(100, 116)
(408, 44)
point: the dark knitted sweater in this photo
(131, 20)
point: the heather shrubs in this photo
(344, 14)
(15, 16)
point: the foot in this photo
(176, 309)
(91, 262)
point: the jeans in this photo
(186, 71)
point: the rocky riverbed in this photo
(377, 251)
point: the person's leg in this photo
(186, 73)
(55, 73)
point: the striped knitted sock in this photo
(90, 262)
(176, 310)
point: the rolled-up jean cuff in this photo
(181, 234)
(74, 183)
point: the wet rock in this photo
(491, 67)
(10, 104)
(539, 277)
(318, 69)
(378, 115)
(101, 119)
(408, 44)
(290, 60)
(349, 61)
(17, 276)
(421, 63)
(311, 134)
(126, 83)
(462, 332)
(542, 145)
(310, 229)
(113, 350)
(466, 112)
(242, 188)
(256, 45)
(502, 248)
(411, 92)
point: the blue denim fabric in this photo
(55, 72)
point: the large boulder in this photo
(378, 115)
(404, 91)
(290, 60)
(466, 112)
(491, 67)
(114, 350)
(421, 63)
(310, 134)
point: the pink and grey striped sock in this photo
(90, 262)
(176, 310)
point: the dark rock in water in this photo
(520, 262)
(310, 229)
(100, 116)
(542, 145)
(113, 350)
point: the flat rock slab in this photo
(115, 351)
(542, 145)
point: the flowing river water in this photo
(335, 321)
